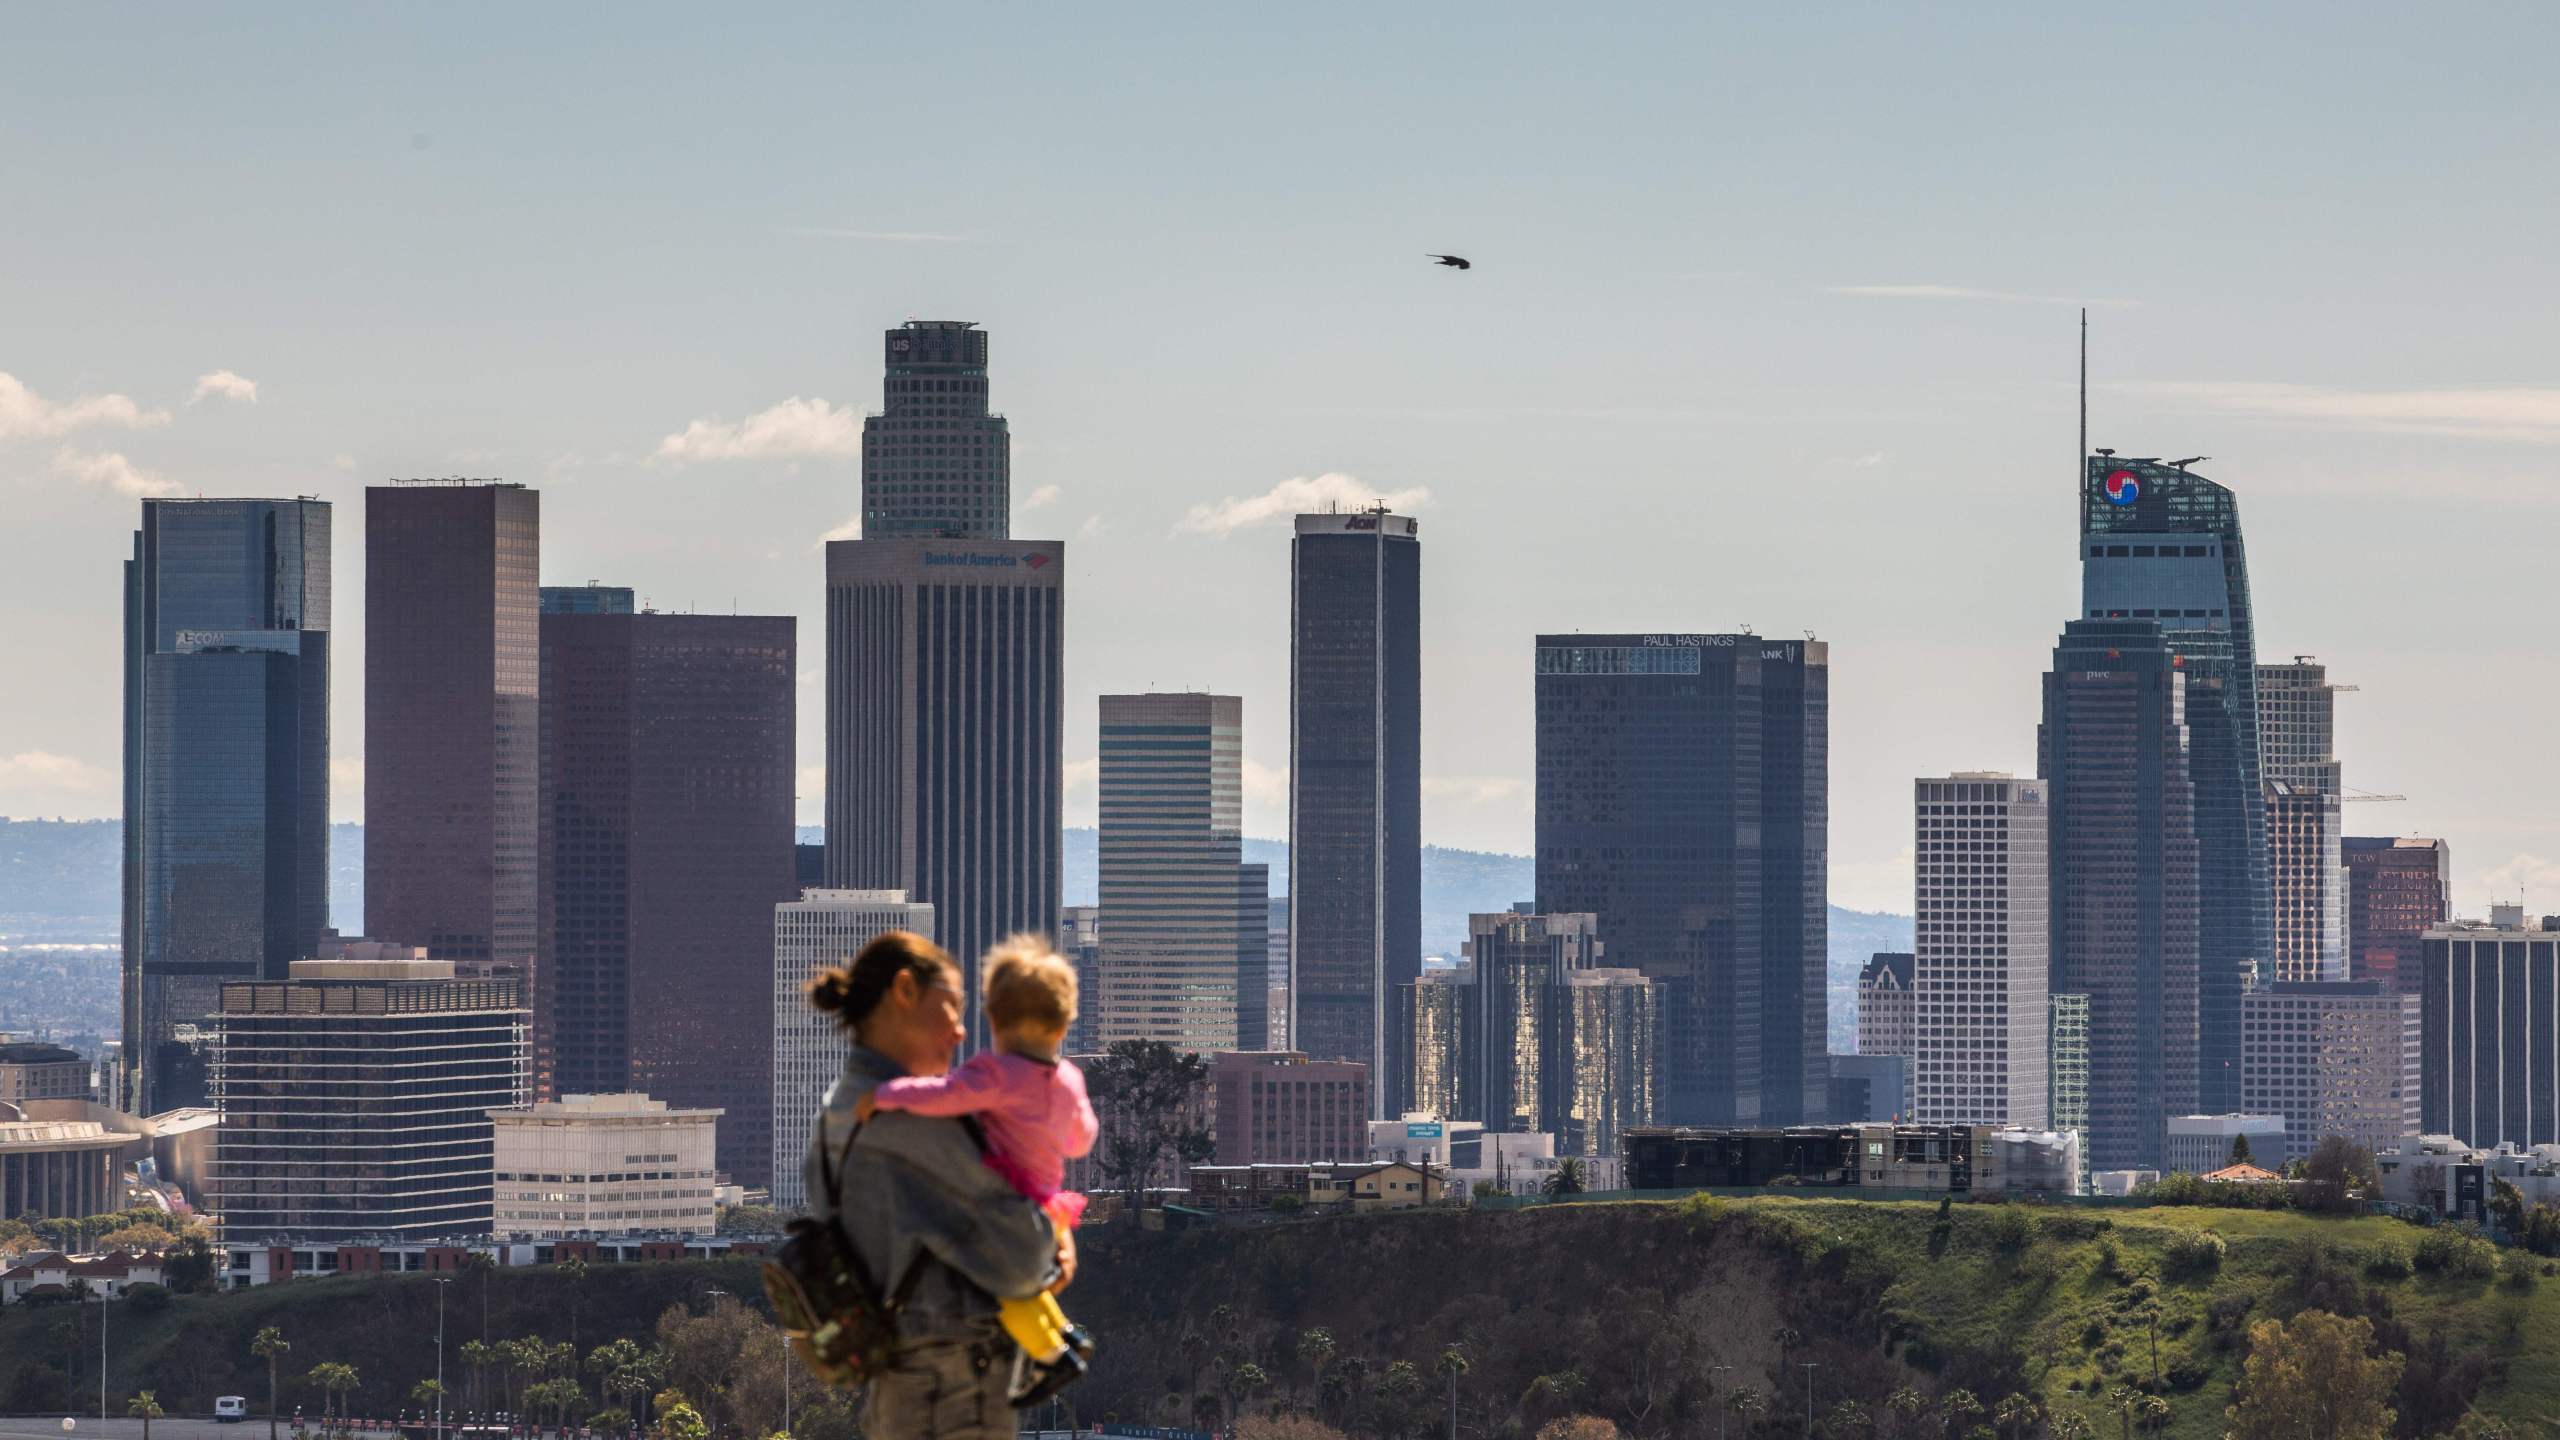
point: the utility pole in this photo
(102, 1347)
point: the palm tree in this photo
(1453, 1363)
(1750, 1405)
(147, 1406)
(2072, 1425)
(1847, 1418)
(426, 1393)
(574, 1270)
(1957, 1409)
(2015, 1413)
(335, 1379)
(475, 1358)
(1242, 1381)
(1905, 1405)
(556, 1396)
(2153, 1409)
(1565, 1179)
(1315, 1348)
(2122, 1397)
(270, 1346)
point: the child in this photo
(1031, 1104)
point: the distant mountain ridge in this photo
(62, 875)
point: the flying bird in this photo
(1454, 262)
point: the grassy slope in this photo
(1575, 1287)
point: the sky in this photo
(1772, 324)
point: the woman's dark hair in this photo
(851, 992)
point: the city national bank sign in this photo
(984, 560)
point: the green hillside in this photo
(1647, 1313)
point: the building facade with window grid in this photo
(1682, 784)
(604, 1165)
(821, 928)
(935, 460)
(2297, 738)
(946, 709)
(1355, 791)
(355, 1099)
(2335, 1057)
(1184, 950)
(2121, 834)
(1981, 936)
(1283, 1108)
(2163, 545)
(1886, 1015)
(2489, 1035)
(2398, 888)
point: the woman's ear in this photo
(903, 991)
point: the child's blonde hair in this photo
(1029, 983)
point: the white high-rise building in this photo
(2297, 734)
(821, 928)
(1979, 951)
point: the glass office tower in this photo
(935, 460)
(226, 769)
(2160, 544)
(1683, 800)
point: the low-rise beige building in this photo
(604, 1165)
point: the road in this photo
(90, 1427)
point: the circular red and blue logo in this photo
(2123, 487)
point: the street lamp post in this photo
(441, 1283)
(1808, 1397)
(102, 1348)
(1723, 1411)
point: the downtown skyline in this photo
(1750, 457)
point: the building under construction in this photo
(1946, 1159)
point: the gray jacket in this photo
(914, 1183)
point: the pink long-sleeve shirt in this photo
(1036, 1114)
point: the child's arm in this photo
(972, 1088)
(1082, 1126)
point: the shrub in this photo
(2076, 1225)
(1703, 1211)
(2388, 1260)
(2199, 1253)
(2518, 1273)
(147, 1299)
(2110, 1259)
(2456, 1252)
(2012, 1229)
(2189, 1373)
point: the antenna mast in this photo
(2080, 463)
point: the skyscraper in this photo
(1682, 798)
(2333, 1057)
(452, 794)
(1888, 1014)
(586, 600)
(355, 1099)
(667, 767)
(821, 928)
(1981, 932)
(2162, 545)
(1355, 792)
(2113, 752)
(945, 714)
(2397, 890)
(1611, 1073)
(2297, 738)
(1448, 1051)
(2489, 1067)
(934, 460)
(226, 768)
(1185, 920)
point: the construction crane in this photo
(2368, 795)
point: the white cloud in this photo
(43, 770)
(346, 788)
(1045, 495)
(1476, 789)
(224, 385)
(810, 781)
(25, 415)
(112, 471)
(342, 462)
(1301, 495)
(851, 529)
(1868, 461)
(1883, 885)
(793, 428)
(1964, 292)
(1093, 525)
(2525, 877)
(1266, 785)
(829, 232)
(2492, 412)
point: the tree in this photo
(2015, 1413)
(2239, 1151)
(1153, 1103)
(1579, 1427)
(426, 1394)
(475, 1358)
(1957, 1409)
(1565, 1179)
(2507, 1203)
(334, 1380)
(2337, 1169)
(1285, 1427)
(2072, 1425)
(1847, 1419)
(2317, 1375)
(1905, 1405)
(574, 1270)
(271, 1346)
(1453, 1363)
(482, 1264)
(555, 1395)
(145, 1406)
(2153, 1412)
(1750, 1405)
(751, 1220)
(680, 1421)
(1315, 1351)
(1241, 1382)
